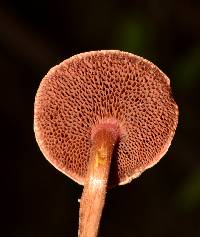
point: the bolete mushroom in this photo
(100, 107)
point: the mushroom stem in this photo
(94, 192)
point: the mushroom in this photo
(98, 108)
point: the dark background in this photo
(37, 200)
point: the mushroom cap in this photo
(109, 87)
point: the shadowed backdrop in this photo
(37, 200)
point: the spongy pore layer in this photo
(99, 87)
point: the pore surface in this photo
(94, 87)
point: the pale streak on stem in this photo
(94, 192)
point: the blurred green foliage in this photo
(134, 34)
(187, 69)
(188, 195)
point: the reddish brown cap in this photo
(105, 87)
